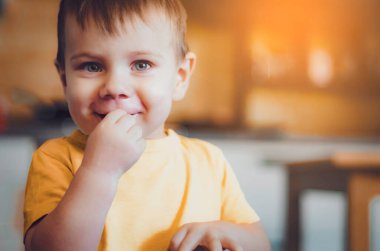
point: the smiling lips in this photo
(131, 106)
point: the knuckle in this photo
(212, 236)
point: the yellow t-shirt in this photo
(177, 180)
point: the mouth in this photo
(103, 115)
(99, 115)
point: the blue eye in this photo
(92, 67)
(141, 66)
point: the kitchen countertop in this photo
(42, 130)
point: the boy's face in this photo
(136, 70)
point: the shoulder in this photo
(58, 150)
(201, 149)
(56, 146)
(204, 158)
(199, 146)
(62, 145)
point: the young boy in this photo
(123, 182)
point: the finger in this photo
(115, 115)
(178, 238)
(215, 245)
(236, 248)
(135, 132)
(126, 121)
(191, 240)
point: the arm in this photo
(82, 210)
(220, 235)
(78, 220)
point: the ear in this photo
(184, 72)
(61, 72)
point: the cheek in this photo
(79, 94)
(156, 98)
(79, 101)
(74, 102)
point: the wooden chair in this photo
(355, 174)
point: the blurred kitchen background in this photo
(276, 82)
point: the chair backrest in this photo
(15, 156)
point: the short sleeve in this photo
(48, 179)
(235, 207)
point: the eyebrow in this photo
(146, 53)
(132, 54)
(84, 54)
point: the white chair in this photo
(375, 224)
(15, 156)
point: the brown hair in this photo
(105, 13)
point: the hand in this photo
(114, 145)
(213, 236)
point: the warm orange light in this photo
(268, 59)
(320, 67)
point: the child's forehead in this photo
(154, 18)
(152, 34)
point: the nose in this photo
(116, 87)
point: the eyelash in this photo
(145, 62)
(85, 66)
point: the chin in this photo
(86, 127)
